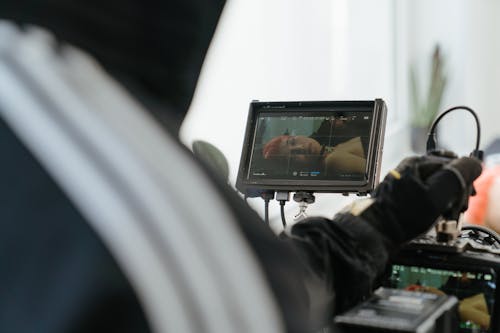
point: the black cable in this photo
(266, 211)
(485, 230)
(282, 210)
(267, 196)
(431, 140)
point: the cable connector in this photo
(307, 197)
(266, 195)
(479, 154)
(303, 198)
(283, 197)
(302, 212)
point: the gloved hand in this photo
(412, 196)
(405, 204)
(465, 170)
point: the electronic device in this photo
(397, 310)
(321, 146)
(468, 268)
(452, 260)
(463, 261)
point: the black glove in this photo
(404, 205)
(411, 197)
(466, 170)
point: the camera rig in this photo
(459, 261)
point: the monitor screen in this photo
(323, 146)
(319, 146)
(474, 289)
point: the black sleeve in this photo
(279, 259)
(347, 254)
(321, 267)
(57, 276)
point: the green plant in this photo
(424, 109)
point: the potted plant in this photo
(424, 109)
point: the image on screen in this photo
(320, 146)
(474, 290)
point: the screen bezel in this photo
(376, 108)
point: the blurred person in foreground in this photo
(57, 276)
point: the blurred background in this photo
(421, 57)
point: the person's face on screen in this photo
(301, 149)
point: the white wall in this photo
(482, 64)
(292, 50)
(347, 49)
(467, 30)
(265, 50)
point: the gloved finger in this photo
(408, 162)
(467, 169)
(473, 191)
(422, 166)
(465, 198)
(449, 188)
(430, 165)
(443, 153)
